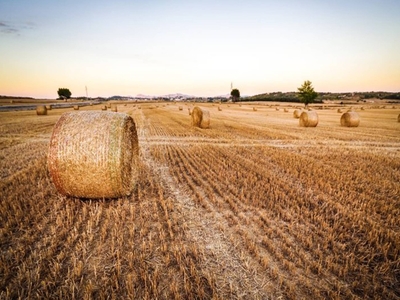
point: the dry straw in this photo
(200, 117)
(180, 108)
(219, 108)
(285, 110)
(76, 107)
(308, 119)
(104, 107)
(94, 154)
(297, 113)
(41, 110)
(350, 119)
(49, 107)
(254, 108)
(339, 110)
(114, 108)
(398, 118)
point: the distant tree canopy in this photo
(235, 95)
(64, 93)
(306, 93)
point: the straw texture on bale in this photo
(297, 113)
(41, 110)
(76, 107)
(308, 119)
(200, 117)
(350, 119)
(94, 154)
(398, 118)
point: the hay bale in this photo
(109, 105)
(180, 108)
(350, 119)
(41, 110)
(254, 108)
(104, 107)
(277, 108)
(339, 110)
(114, 108)
(285, 110)
(308, 119)
(398, 118)
(76, 107)
(190, 111)
(297, 113)
(49, 107)
(94, 154)
(219, 108)
(200, 117)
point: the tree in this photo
(235, 95)
(64, 93)
(306, 93)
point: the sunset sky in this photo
(156, 47)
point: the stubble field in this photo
(255, 207)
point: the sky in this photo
(200, 48)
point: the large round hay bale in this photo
(200, 117)
(308, 119)
(398, 118)
(76, 107)
(297, 113)
(41, 110)
(94, 154)
(350, 119)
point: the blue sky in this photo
(198, 48)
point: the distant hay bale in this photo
(285, 110)
(200, 117)
(297, 113)
(114, 108)
(94, 154)
(49, 107)
(190, 111)
(91, 103)
(109, 105)
(219, 108)
(362, 108)
(308, 119)
(339, 110)
(41, 110)
(254, 108)
(76, 107)
(350, 119)
(277, 108)
(104, 107)
(180, 108)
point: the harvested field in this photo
(254, 207)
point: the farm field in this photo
(254, 207)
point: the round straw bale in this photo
(76, 107)
(104, 107)
(297, 113)
(308, 119)
(254, 108)
(277, 108)
(94, 154)
(339, 110)
(398, 118)
(190, 111)
(109, 105)
(114, 108)
(41, 110)
(180, 108)
(219, 108)
(350, 119)
(200, 117)
(49, 107)
(285, 110)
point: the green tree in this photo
(64, 93)
(306, 93)
(235, 95)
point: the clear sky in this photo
(154, 47)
